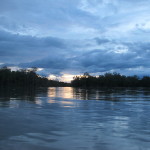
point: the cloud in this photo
(75, 35)
(55, 56)
(101, 41)
(98, 60)
(19, 48)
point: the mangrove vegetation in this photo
(110, 80)
(29, 77)
(26, 78)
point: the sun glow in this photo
(52, 77)
(67, 77)
(63, 78)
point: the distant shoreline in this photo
(29, 78)
(26, 78)
(110, 80)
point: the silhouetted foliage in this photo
(25, 77)
(110, 80)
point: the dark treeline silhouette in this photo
(25, 77)
(110, 80)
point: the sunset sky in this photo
(69, 37)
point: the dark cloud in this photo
(101, 41)
(95, 61)
(53, 62)
(27, 48)
(59, 56)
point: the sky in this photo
(69, 37)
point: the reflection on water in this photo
(74, 118)
(66, 92)
(111, 94)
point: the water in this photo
(74, 119)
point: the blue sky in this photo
(70, 37)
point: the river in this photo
(66, 118)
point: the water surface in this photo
(68, 118)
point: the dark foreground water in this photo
(74, 119)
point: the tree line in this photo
(25, 77)
(110, 80)
(29, 77)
